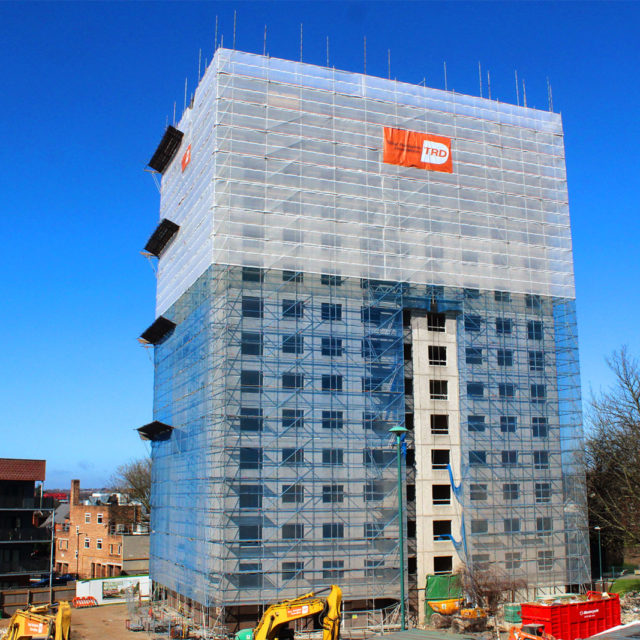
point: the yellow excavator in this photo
(275, 621)
(45, 622)
(452, 613)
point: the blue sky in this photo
(86, 92)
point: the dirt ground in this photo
(99, 623)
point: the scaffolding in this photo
(281, 363)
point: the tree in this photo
(613, 455)
(488, 587)
(134, 478)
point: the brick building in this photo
(102, 536)
(24, 549)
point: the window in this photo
(438, 389)
(292, 457)
(292, 570)
(439, 458)
(373, 530)
(87, 543)
(473, 355)
(374, 383)
(333, 493)
(331, 382)
(478, 492)
(99, 518)
(509, 458)
(249, 535)
(472, 323)
(472, 294)
(511, 525)
(545, 560)
(536, 361)
(87, 518)
(437, 356)
(293, 344)
(436, 322)
(538, 392)
(329, 280)
(441, 494)
(539, 427)
(332, 347)
(442, 564)
(532, 301)
(373, 491)
(380, 457)
(331, 311)
(534, 330)
(250, 458)
(250, 381)
(479, 526)
(252, 274)
(476, 423)
(292, 418)
(442, 529)
(377, 315)
(502, 296)
(439, 424)
(508, 424)
(543, 492)
(332, 569)
(250, 419)
(251, 344)
(512, 560)
(477, 458)
(292, 309)
(332, 456)
(504, 326)
(250, 576)
(544, 526)
(63, 544)
(292, 380)
(511, 491)
(252, 307)
(332, 420)
(480, 561)
(292, 493)
(540, 459)
(250, 496)
(506, 390)
(475, 389)
(292, 276)
(292, 531)
(505, 358)
(373, 568)
(333, 530)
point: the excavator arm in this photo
(274, 622)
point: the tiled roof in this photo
(21, 469)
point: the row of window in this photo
(250, 495)
(478, 424)
(504, 358)
(252, 457)
(252, 419)
(252, 344)
(63, 544)
(251, 534)
(504, 326)
(87, 518)
(509, 458)
(439, 390)
(441, 493)
(442, 528)
(513, 560)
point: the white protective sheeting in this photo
(287, 173)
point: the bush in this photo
(622, 586)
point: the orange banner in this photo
(186, 158)
(413, 149)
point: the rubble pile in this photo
(630, 607)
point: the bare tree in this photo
(488, 587)
(134, 478)
(613, 454)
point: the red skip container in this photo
(575, 619)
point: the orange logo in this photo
(186, 158)
(420, 150)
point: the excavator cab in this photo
(274, 624)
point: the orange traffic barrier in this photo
(80, 602)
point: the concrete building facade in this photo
(338, 255)
(103, 539)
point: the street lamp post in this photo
(399, 430)
(601, 576)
